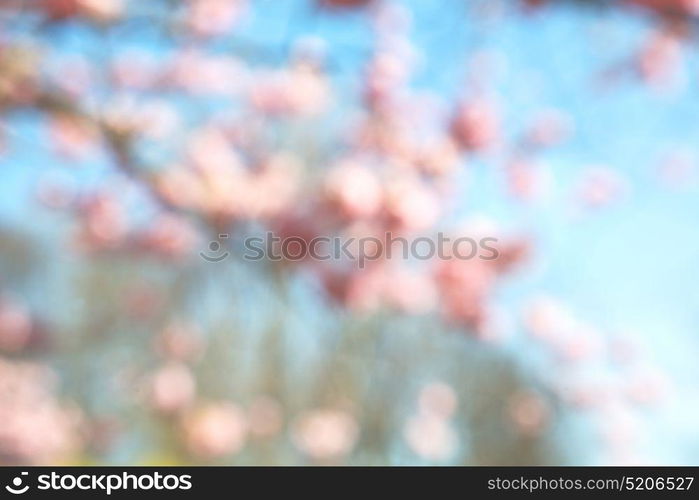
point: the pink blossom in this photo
(213, 17)
(15, 325)
(169, 236)
(96, 10)
(301, 90)
(439, 399)
(546, 318)
(205, 74)
(72, 137)
(410, 291)
(35, 428)
(464, 288)
(358, 290)
(411, 205)
(431, 437)
(438, 158)
(215, 430)
(386, 73)
(476, 125)
(354, 189)
(172, 388)
(104, 223)
(324, 434)
(660, 58)
(528, 413)
(272, 189)
(134, 69)
(670, 6)
(101, 10)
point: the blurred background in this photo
(134, 133)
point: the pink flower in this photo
(386, 73)
(135, 69)
(172, 388)
(430, 436)
(439, 399)
(220, 185)
(201, 73)
(181, 187)
(354, 190)
(528, 413)
(438, 158)
(578, 344)
(101, 10)
(670, 6)
(410, 291)
(60, 9)
(35, 428)
(465, 285)
(358, 290)
(97, 10)
(476, 125)
(545, 318)
(659, 58)
(325, 434)
(464, 288)
(72, 137)
(15, 326)
(209, 18)
(169, 236)
(158, 119)
(104, 223)
(301, 90)
(215, 430)
(411, 205)
(271, 189)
